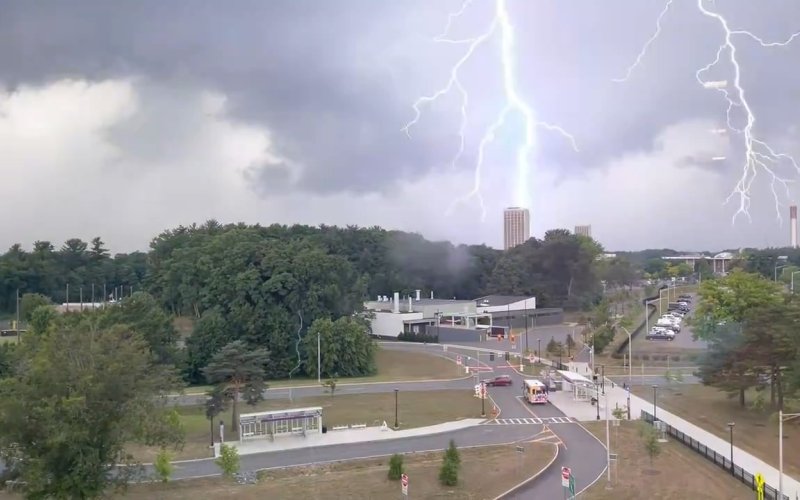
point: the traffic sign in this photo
(458, 360)
(520, 449)
(404, 484)
(566, 473)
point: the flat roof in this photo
(281, 412)
(574, 377)
(500, 300)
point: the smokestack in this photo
(793, 225)
(410, 307)
(418, 291)
(396, 303)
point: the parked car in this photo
(500, 380)
(660, 336)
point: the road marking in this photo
(531, 421)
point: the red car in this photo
(498, 381)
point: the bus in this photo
(534, 391)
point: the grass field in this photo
(485, 473)
(677, 473)
(415, 409)
(756, 431)
(392, 366)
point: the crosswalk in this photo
(529, 421)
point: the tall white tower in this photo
(793, 226)
(516, 226)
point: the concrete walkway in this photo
(617, 397)
(349, 436)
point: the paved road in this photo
(475, 436)
(580, 450)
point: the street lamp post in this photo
(776, 270)
(630, 351)
(603, 378)
(791, 287)
(730, 428)
(396, 422)
(319, 361)
(782, 417)
(655, 388)
(483, 399)
(539, 351)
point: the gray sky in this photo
(121, 119)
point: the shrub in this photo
(163, 465)
(395, 467)
(448, 474)
(228, 460)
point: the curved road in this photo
(579, 449)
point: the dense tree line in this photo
(81, 265)
(267, 286)
(750, 323)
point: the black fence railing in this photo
(719, 459)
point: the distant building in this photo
(516, 226)
(583, 231)
(793, 226)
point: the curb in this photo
(323, 462)
(331, 444)
(530, 479)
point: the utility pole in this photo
(67, 297)
(92, 296)
(17, 325)
(319, 361)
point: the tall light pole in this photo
(781, 418)
(730, 428)
(396, 422)
(630, 341)
(655, 388)
(16, 327)
(792, 284)
(319, 361)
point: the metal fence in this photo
(721, 460)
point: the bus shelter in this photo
(582, 388)
(280, 422)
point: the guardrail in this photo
(748, 478)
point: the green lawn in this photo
(392, 366)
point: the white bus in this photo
(534, 391)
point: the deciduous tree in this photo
(76, 398)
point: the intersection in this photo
(516, 422)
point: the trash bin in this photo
(324, 429)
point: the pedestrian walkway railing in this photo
(746, 477)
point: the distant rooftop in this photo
(500, 300)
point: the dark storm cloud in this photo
(309, 72)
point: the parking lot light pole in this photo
(655, 388)
(782, 417)
(483, 400)
(396, 422)
(730, 428)
(630, 341)
(791, 287)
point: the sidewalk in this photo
(349, 436)
(617, 396)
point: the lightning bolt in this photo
(759, 156)
(500, 23)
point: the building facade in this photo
(583, 231)
(516, 226)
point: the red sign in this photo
(404, 479)
(458, 360)
(565, 473)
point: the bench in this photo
(358, 426)
(339, 428)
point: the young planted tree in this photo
(238, 370)
(451, 463)
(395, 467)
(649, 436)
(216, 403)
(228, 460)
(163, 465)
(76, 399)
